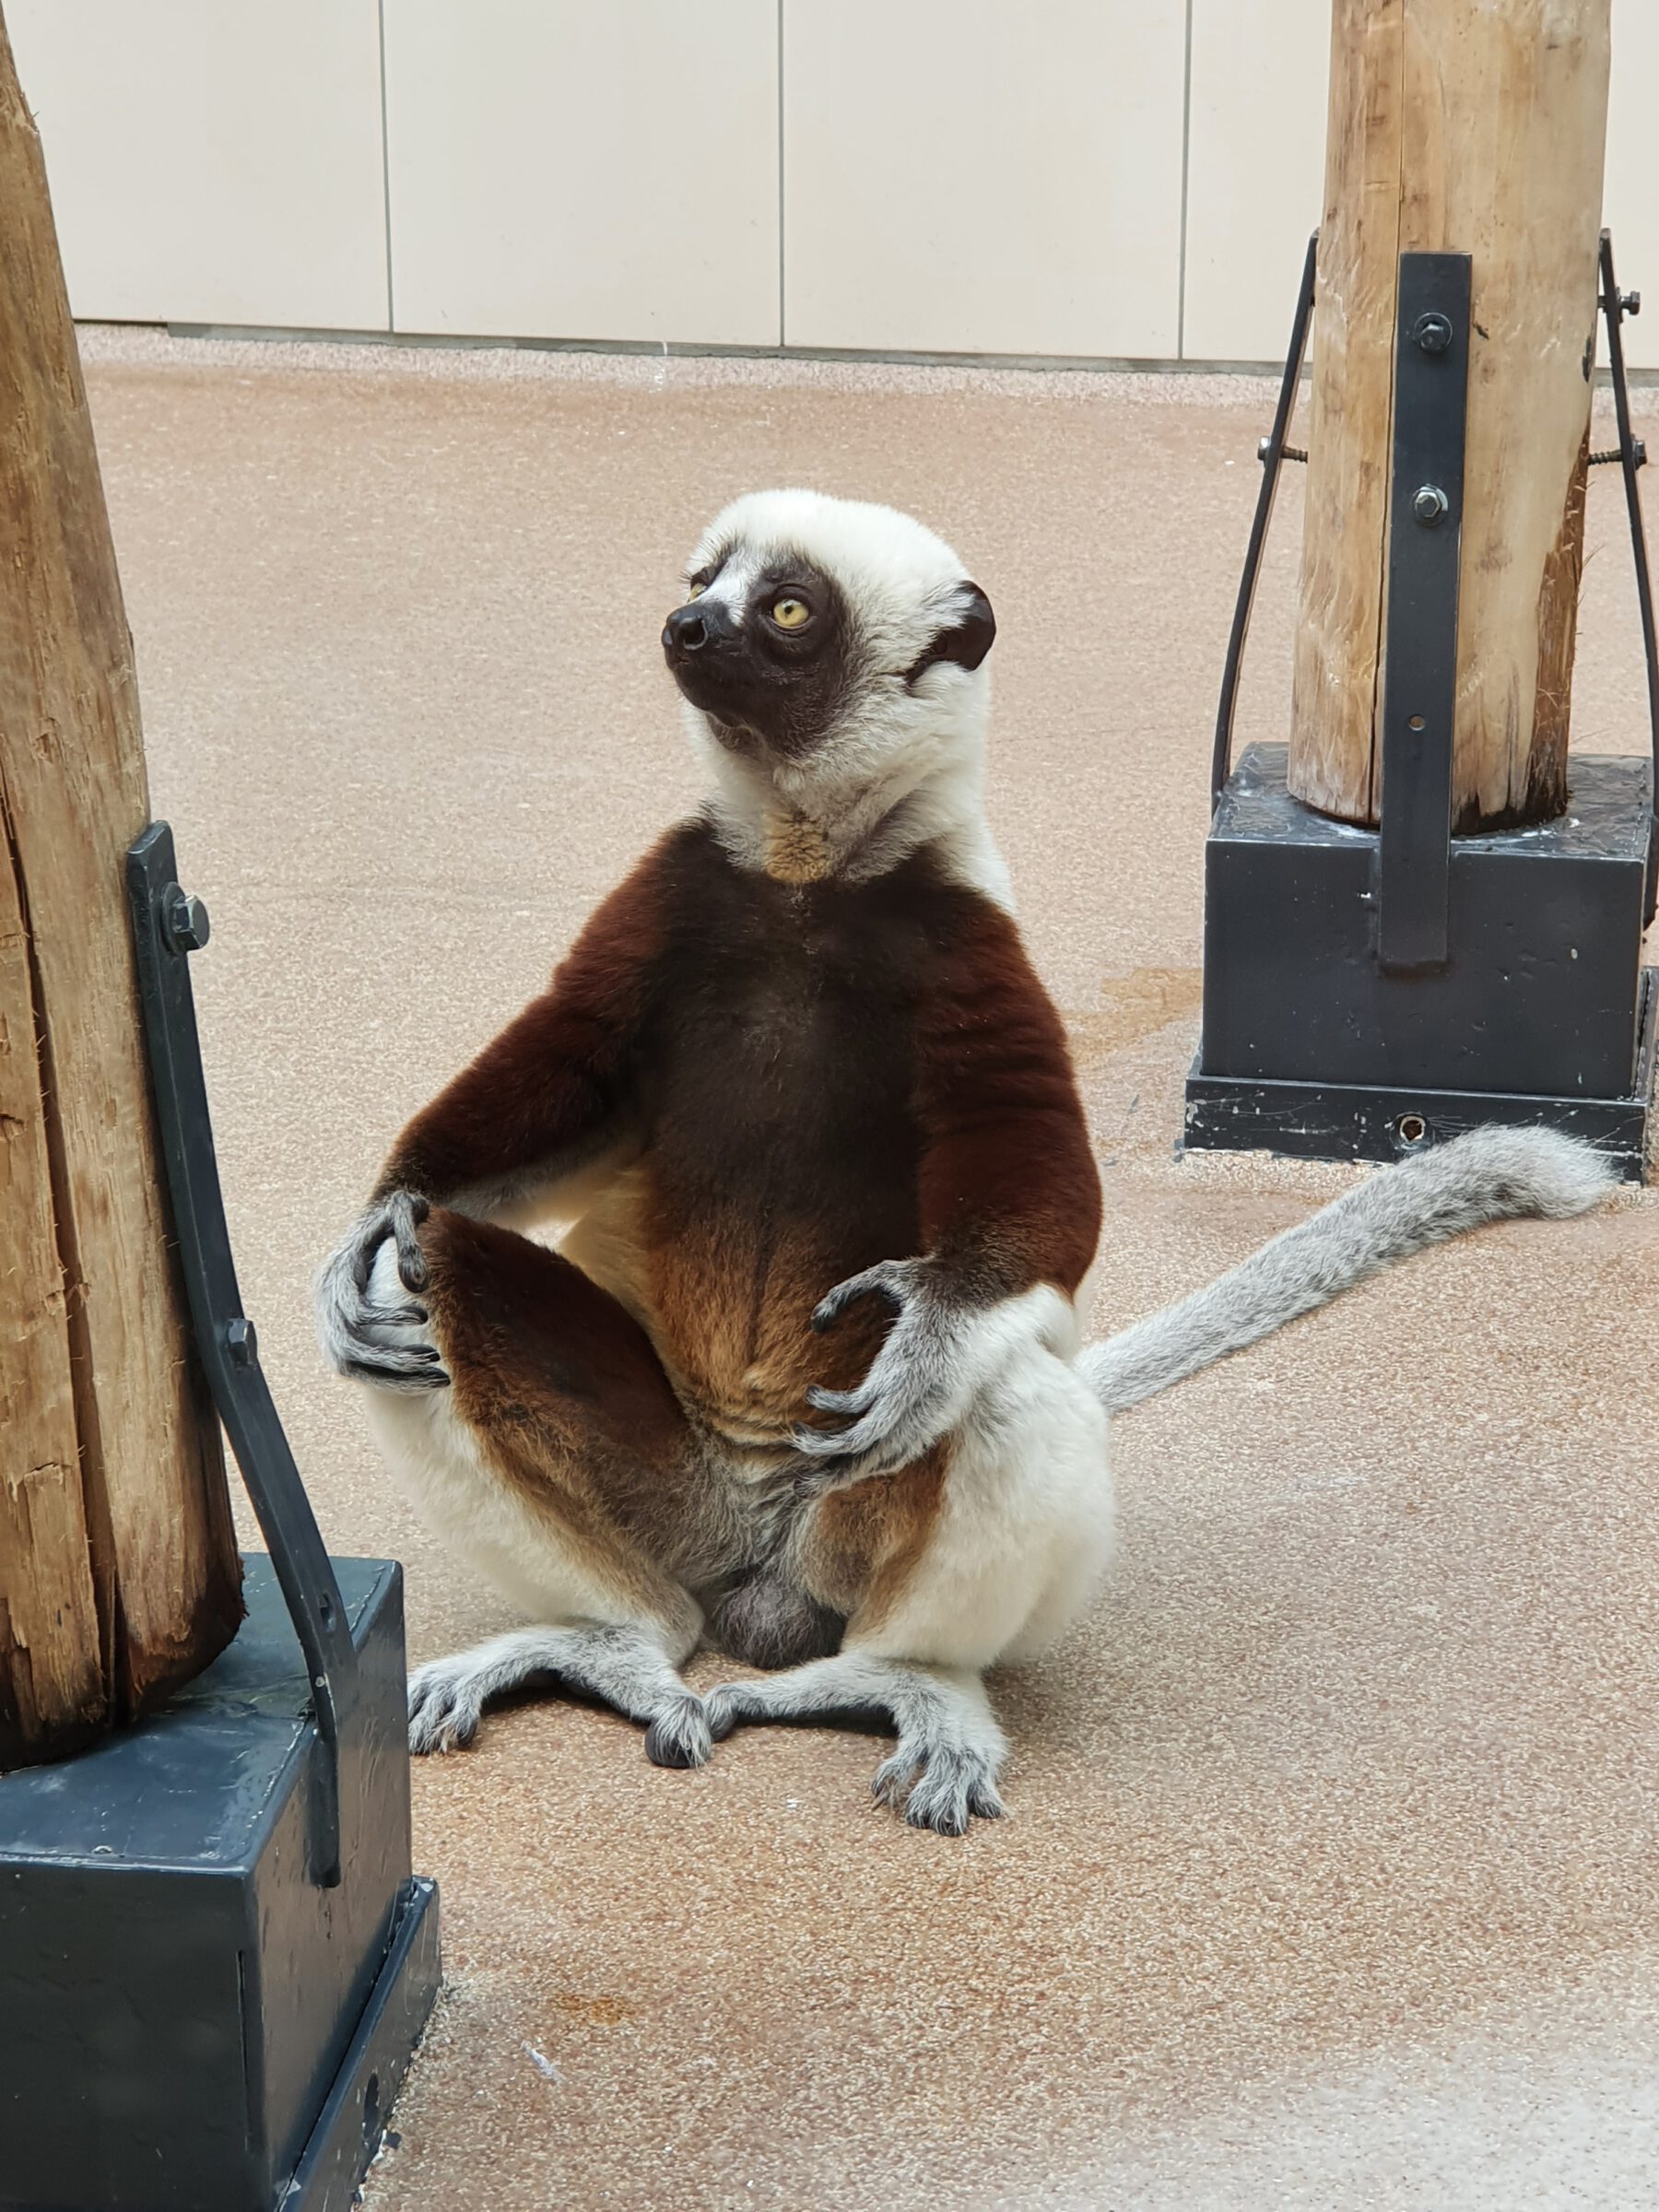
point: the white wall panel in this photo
(562, 168)
(1630, 201)
(1255, 173)
(959, 175)
(967, 176)
(212, 161)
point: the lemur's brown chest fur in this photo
(779, 1144)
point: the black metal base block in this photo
(1538, 992)
(191, 2019)
(1311, 1045)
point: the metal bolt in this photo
(185, 920)
(1264, 447)
(1432, 333)
(1429, 504)
(1638, 452)
(242, 1345)
(1631, 302)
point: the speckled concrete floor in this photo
(1331, 1876)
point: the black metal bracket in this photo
(1419, 651)
(1272, 452)
(168, 925)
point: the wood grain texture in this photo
(1493, 116)
(51, 1675)
(153, 1518)
(1339, 632)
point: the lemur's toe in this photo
(681, 1737)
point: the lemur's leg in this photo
(987, 1545)
(559, 1464)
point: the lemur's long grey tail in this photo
(1490, 1174)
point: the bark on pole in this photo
(119, 1575)
(1473, 126)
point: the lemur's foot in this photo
(680, 1737)
(446, 1703)
(625, 1665)
(947, 1787)
(943, 1771)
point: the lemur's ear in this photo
(967, 636)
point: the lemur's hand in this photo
(918, 1387)
(362, 1334)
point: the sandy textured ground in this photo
(1331, 1876)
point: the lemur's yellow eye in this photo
(697, 590)
(789, 614)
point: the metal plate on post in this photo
(1420, 653)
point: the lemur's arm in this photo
(537, 1107)
(1009, 1202)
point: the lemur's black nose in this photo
(685, 632)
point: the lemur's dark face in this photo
(765, 649)
(817, 630)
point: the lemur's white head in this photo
(830, 653)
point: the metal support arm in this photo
(167, 926)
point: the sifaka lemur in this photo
(801, 1376)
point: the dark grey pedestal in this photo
(189, 2022)
(1540, 1013)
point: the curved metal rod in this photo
(1271, 453)
(1614, 309)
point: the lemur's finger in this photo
(408, 1212)
(900, 1426)
(399, 1358)
(829, 1308)
(845, 1449)
(893, 1778)
(841, 1401)
(394, 1378)
(367, 1314)
(818, 1444)
(863, 1436)
(380, 1327)
(883, 1277)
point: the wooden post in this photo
(119, 1575)
(1471, 126)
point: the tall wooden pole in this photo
(119, 1575)
(1472, 126)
